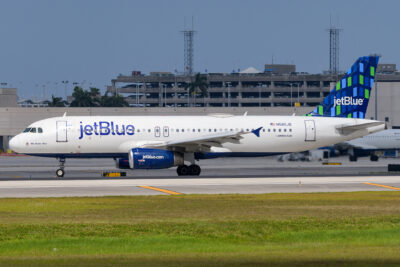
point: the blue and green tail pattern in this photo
(350, 97)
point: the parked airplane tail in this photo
(350, 97)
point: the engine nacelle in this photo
(149, 158)
(122, 163)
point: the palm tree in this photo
(198, 85)
(56, 102)
(95, 95)
(113, 101)
(82, 98)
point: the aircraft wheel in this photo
(60, 173)
(194, 170)
(374, 158)
(182, 170)
(353, 158)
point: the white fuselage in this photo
(388, 139)
(115, 136)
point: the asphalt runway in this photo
(35, 177)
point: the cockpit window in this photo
(27, 130)
(40, 130)
(33, 130)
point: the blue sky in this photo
(44, 42)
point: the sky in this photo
(90, 42)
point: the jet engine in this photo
(122, 164)
(149, 158)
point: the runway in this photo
(34, 177)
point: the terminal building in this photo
(277, 86)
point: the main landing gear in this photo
(184, 170)
(60, 172)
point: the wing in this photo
(201, 143)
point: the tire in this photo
(374, 158)
(194, 170)
(353, 158)
(182, 170)
(60, 173)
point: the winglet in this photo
(245, 114)
(65, 114)
(257, 131)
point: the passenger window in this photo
(269, 130)
(33, 130)
(183, 130)
(40, 130)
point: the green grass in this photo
(361, 228)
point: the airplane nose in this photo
(13, 144)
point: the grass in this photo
(361, 228)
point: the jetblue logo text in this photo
(152, 157)
(347, 100)
(106, 128)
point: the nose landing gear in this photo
(60, 172)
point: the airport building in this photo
(278, 86)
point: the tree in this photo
(113, 101)
(198, 85)
(95, 95)
(56, 102)
(82, 98)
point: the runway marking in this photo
(385, 186)
(161, 190)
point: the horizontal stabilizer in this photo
(346, 129)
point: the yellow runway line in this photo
(161, 190)
(384, 186)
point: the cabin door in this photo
(310, 130)
(61, 131)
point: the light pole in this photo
(137, 94)
(291, 95)
(65, 88)
(56, 83)
(165, 95)
(229, 93)
(298, 97)
(160, 94)
(259, 94)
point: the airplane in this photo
(158, 142)
(371, 145)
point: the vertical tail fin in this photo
(350, 97)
